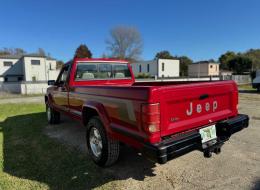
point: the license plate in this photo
(208, 133)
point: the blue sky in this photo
(200, 29)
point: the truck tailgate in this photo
(188, 106)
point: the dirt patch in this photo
(250, 96)
(66, 133)
(237, 167)
(256, 118)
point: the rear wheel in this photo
(103, 150)
(258, 88)
(53, 116)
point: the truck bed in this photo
(167, 83)
(216, 100)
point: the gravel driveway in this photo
(237, 167)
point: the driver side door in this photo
(60, 91)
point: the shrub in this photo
(143, 75)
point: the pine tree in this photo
(83, 52)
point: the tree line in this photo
(240, 63)
(21, 52)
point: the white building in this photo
(27, 68)
(160, 68)
(203, 69)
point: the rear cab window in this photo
(101, 71)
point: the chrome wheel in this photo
(48, 111)
(95, 142)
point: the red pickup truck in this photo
(161, 119)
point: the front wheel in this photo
(103, 150)
(53, 116)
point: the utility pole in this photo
(199, 71)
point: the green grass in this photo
(246, 87)
(31, 160)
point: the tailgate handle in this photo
(204, 96)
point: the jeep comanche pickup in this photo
(161, 119)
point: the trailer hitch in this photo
(215, 149)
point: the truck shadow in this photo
(248, 91)
(256, 184)
(29, 153)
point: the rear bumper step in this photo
(177, 146)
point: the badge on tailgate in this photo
(199, 107)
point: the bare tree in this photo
(19, 51)
(125, 43)
(12, 51)
(41, 52)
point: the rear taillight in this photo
(151, 117)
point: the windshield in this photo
(90, 71)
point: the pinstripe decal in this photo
(75, 112)
(119, 103)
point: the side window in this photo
(63, 75)
(162, 66)
(33, 78)
(8, 63)
(35, 62)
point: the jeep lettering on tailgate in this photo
(199, 107)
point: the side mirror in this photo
(51, 82)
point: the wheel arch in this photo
(92, 108)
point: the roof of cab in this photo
(104, 60)
(100, 60)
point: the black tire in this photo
(258, 89)
(110, 148)
(53, 116)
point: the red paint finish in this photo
(135, 113)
